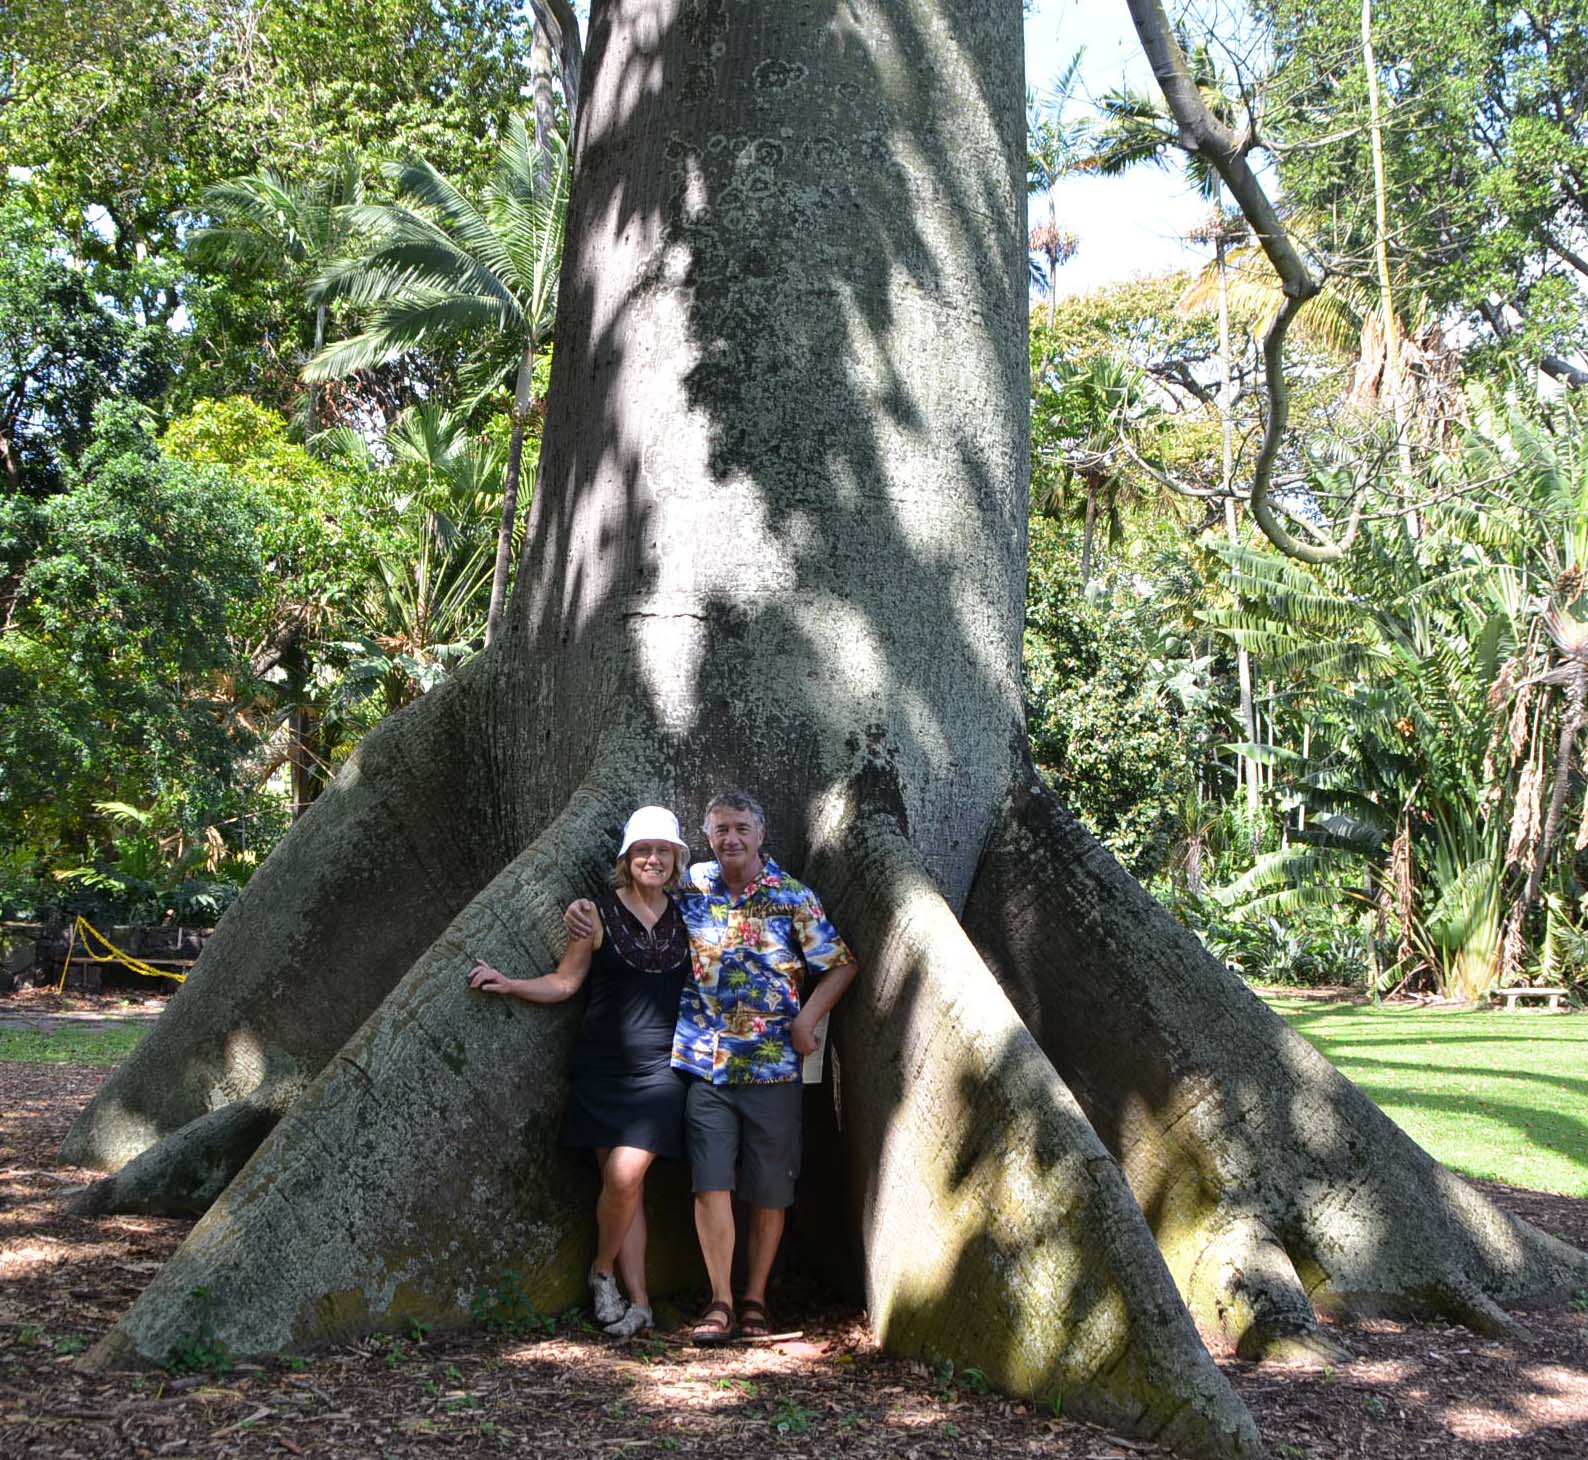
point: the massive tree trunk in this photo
(780, 544)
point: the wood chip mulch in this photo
(1411, 1391)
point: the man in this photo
(746, 1020)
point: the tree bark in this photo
(780, 543)
(1273, 1186)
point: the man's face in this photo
(735, 837)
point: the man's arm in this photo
(826, 992)
(579, 918)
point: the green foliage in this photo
(792, 1418)
(1432, 672)
(181, 97)
(326, 520)
(1119, 712)
(1484, 132)
(1323, 944)
(130, 585)
(1137, 321)
(200, 1352)
(506, 1307)
(62, 352)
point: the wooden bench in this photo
(87, 974)
(1512, 997)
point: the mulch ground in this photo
(1410, 1391)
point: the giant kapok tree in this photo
(780, 543)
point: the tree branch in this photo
(1563, 371)
(1202, 133)
(561, 26)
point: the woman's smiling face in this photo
(651, 863)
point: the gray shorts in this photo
(745, 1138)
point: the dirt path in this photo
(43, 1011)
(1411, 1391)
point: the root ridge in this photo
(1021, 1252)
(1273, 1186)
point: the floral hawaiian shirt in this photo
(750, 956)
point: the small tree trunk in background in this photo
(1571, 724)
(1089, 532)
(542, 70)
(302, 760)
(312, 414)
(1243, 660)
(522, 401)
(1392, 352)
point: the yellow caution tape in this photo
(111, 954)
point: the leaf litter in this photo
(1409, 1391)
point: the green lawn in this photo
(69, 1046)
(1502, 1096)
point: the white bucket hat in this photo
(653, 824)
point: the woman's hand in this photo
(489, 980)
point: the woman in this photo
(624, 1100)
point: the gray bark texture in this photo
(780, 544)
(1272, 1185)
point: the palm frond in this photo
(456, 215)
(402, 324)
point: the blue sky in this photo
(1126, 226)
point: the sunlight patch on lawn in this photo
(1493, 1095)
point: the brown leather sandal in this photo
(714, 1326)
(754, 1320)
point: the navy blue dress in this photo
(622, 1088)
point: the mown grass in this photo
(1501, 1096)
(70, 1046)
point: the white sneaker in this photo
(609, 1304)
(636, 1320)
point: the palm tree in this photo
(444, 269)
(1136, 129)
(1099, 419)
(1053, 143)
(422, 611)
(268, 224)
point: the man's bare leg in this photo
(766, 1231)
(714, 1227)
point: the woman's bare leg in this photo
(631, 1259)
(620, 1216)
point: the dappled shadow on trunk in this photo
(779, 543)
(784, 541)
(1273, 1185)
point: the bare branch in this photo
(1564, 371)
(555, 18)
(1202, 133)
